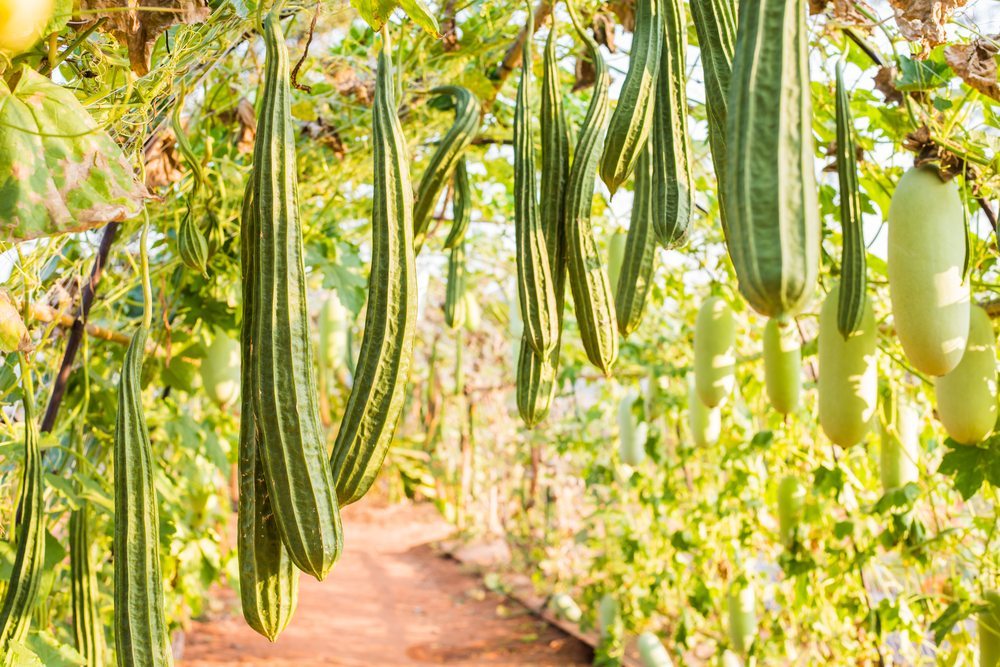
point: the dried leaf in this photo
(138, 29)
(977, 65)
(323, 132)
(162, 161)
(604, 30)
(347, 83)
(885, 80)
(923, 21)
(248, 126)
(625, 11)
(585, 74)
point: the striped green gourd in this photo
(140, 623)
(445, 157)
(534, 274)
(88, 630)
(292, 444)
(461, 206)
(536, 375)
(268, 578)
(192, 246)
(588, 280)
(772, 210)
(632, 119)
(715, 25)
(387, 346)
(454, 298)
(853, 281)
(639, 261)
(29, 531)
(673, 180)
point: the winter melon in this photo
(220, 370)
(967, 396)
(607, 614)
(791, 499)
(848, 381)
(705, 423)
(900, 451)
(565, 608)
(926, 256)
(334, 324)
(631, 436)
(714, 336)
(782, 365)
(652, 652)
(742, 625)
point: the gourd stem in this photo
(147, 289)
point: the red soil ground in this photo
(391, 600)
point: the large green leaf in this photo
(59, 172)
(376, 13)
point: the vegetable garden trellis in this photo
(741, 513)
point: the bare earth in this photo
(391, 600)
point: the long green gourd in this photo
(534, 274)
(292, 443)
(446, 157)
(88, 631)
(632, 119)
(853, 265)
(140, 624)
(772, 210)
(588, 279)
(536, 375)
(639, 262)
(29, 559)
(454, 299)
(715, 25)
(390, 322)
(461, 206)
(268, 578)
(671, 149)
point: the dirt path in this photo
(391, 600)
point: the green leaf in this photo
(421, 15)
(972, 465)
(915, 75)
(52, 652)
(374, 12)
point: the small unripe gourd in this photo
(848, 380)
(967, 396)
(714, 363)
(12, 329)
(607, 613)
(220, 370)
(782, 365)
(652, 651)
(926, 256)
(566, 608)
(900, 451)
(334, 324)
(791, 500)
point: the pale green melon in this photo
(791, 500)
(782, 365)
(220, 370)
(967, 396)
(714, 362)
(899, 455)
(848, 380)
(926, 256)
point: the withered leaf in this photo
(625, 11)
(885, 83)
(977, 65)
(585, 74)
(162, 161)
(923, 21)
(347, 83)
(137, 23)
(604, 30)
